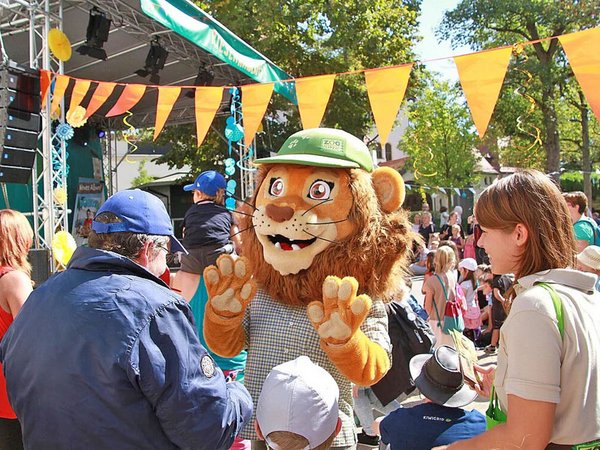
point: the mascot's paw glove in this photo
(341, 312)
(229, 285)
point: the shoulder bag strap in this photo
(557, 302)
(434, 302)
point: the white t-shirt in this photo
(467, 287)
(535, 363)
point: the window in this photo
(388, 152)
(379, 151)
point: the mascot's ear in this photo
(389, 187)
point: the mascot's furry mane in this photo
(375, 254)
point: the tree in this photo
(143, 177)
(491, 23)
(311, 37)
(440, 138)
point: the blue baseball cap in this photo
(140, 212)
(208, 182)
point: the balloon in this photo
(63, 246)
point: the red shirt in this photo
(6, 319)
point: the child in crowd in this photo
(429, 265)
(469, 248)
(457, 239)
(589, 261)
(209, 230)
(441, 419)
(298, 407)
(472, 315)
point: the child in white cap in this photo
(298, 407)
(589, 261)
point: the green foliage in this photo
(308, 37)
(541, 72)
(440, 138)
(143, 177)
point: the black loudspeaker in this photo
(20, 121)
(40, 265)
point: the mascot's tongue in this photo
(287, 244)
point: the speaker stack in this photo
(20, 121)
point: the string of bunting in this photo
(481, 75)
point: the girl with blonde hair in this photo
(438, 289)
(547, 380)
(16, 238)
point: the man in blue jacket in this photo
(105, 356)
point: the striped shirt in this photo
(277, 333)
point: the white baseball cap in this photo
(300, 397)
(590, 256)
(469, 264)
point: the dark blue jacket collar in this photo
(86, 258)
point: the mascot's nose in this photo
(279, 213)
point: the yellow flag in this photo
(79, 90)
(481, 77)
(167, 96)
(60, 86)
(386, 88)
(256, 98)
(313, 95)
(583, 52)
(207, 102)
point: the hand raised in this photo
(229, 285)
(341, 312)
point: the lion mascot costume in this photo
(326, 245)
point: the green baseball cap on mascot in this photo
(323, 147)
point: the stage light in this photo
(96, 35)
(100, 133)
(205, 77)
(155, 61)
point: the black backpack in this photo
(410, 335)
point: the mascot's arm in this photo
(361, 355)
(230, 289)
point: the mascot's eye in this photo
(277, 186)
(320, 190)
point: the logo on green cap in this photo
(334, 145)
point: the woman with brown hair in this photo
(548, 376)
(16, 237)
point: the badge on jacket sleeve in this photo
(208, 366)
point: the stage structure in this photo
(122, 56)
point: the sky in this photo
(432, 12)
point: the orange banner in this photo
(167, 96)
(128, 99)
(79, 90)
(481, 76)
(583, 52)
(101, 94)
(386, 88)
(45, 80)
(256, 99)
(313, 95)
(206, 102)
(60, 86)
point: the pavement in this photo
(480, 404)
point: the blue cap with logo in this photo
(208, 182)
(140, 212)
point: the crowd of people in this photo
(107, 355)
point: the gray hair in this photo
(124, 243)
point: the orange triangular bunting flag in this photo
(582, 50)
(481, 77)
(207, 102)
(167, 96)
(60, 86)
(256, 99)
(79, 90)
(101, 94)
(386, 88)
(128, 99)
(313, 95)
(45, 80)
